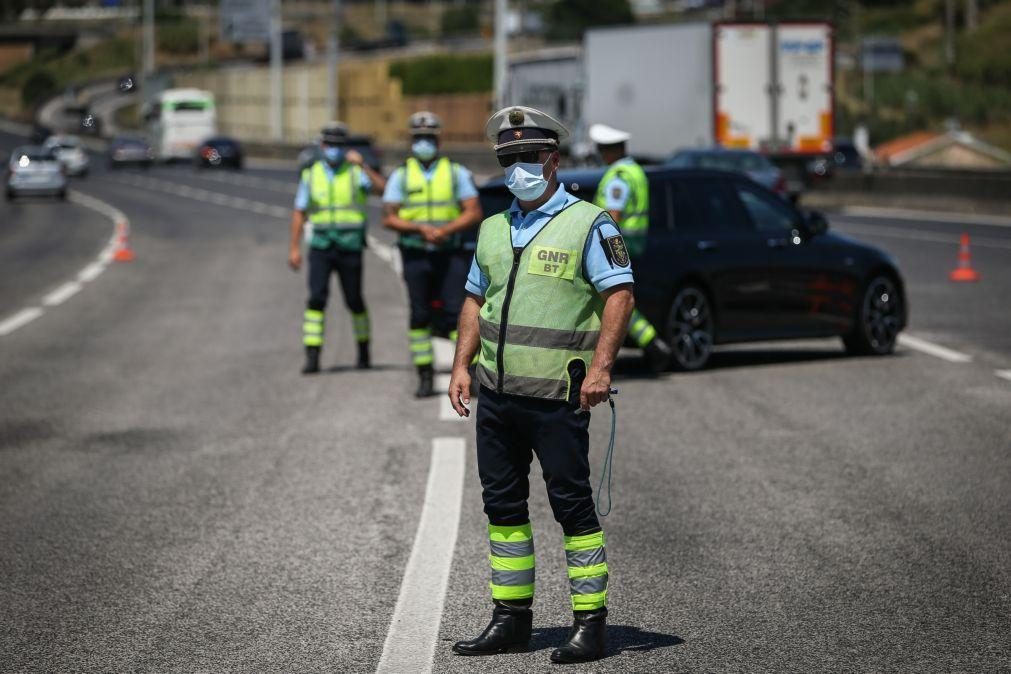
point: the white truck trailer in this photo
(759, 86)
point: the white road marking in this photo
(1003, 374)
(850, 227)
(929, 216)
(67, 290)
(62, 294)
(23, 317)
(936, 350)
(414, 629)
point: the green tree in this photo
(569, 19)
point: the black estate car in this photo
(727, 260)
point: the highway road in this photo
(175, 497)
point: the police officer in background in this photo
(549, 298)
(430, 202)
(331, 196)
(624, 193)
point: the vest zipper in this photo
(500, 355)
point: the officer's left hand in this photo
(596, 388)
(355, 157)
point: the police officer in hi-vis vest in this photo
(548, 300)
(331, 196)
(624, 193)
(430, 202)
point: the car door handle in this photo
(706, 245)
(777, 243)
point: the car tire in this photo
(689, 329)
(878, 318)
(62, 195)
(9, 195)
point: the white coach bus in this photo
(178, 120)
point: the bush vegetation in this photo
(444, 74)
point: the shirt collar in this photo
(556, 203)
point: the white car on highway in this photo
(34, 169)
(70, 153)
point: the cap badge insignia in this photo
(517, 134)
(516, 117)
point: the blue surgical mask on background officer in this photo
(424, 149)
(333, 155)
(526, 181)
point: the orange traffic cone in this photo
(964, 270)
(123, 252)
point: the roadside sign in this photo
(245, 20)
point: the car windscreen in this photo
(732, 161)
(33, 154)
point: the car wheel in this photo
(62, 195)
(9, 195)
(878, 320)
(689, 329)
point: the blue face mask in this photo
(333, 155)
(526, 181)
(424, 149)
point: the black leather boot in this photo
(657, 355)
(509, 630)
(587, 640)
(426, 381)
(364, 361)
(311, 360)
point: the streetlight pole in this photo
(501, 56)
(148, 37)
(332, 54)
(276, 73)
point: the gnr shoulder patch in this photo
(615, 249)
(556, 262)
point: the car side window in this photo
(715, 207)
(661, 215)
(768, 213)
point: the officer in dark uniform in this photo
(549, 298)
(331, 196)
(431, 202)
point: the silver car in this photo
(35, 170)
(70, 153)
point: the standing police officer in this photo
(624, 193)
(549, 297)
(331, 195)
(430, 202)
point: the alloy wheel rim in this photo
(690, 328)
(881, 313)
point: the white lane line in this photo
(23, 317)
(929, 216)
(1003, 374)
(414, 629)
(850, 227)
(67, 290)
(62, 294)
(936, 350)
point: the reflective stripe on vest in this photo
(337, 203)
(432, 202)
(635, 217)
(540, 312)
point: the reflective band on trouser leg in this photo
(587, 562)
(312, 328)
(512, 562)
(421, 346)
(361, 324)
(640, 329)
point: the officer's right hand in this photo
(429, 234)
(295, 258)
(459, 391)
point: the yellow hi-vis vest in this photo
(635, 218)
(336, 207)
(432, 202)
(540, 312)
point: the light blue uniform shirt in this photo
(302, 196)
(394, 193)
(596, 265)
(617, 191)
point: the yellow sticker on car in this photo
(556, 262)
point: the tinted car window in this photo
(713, 206)
(768, 213)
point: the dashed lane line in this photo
(207, 196)
(65, 291)
(932, 349)
(1003, 374)
(851, 227)
(414, 628)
